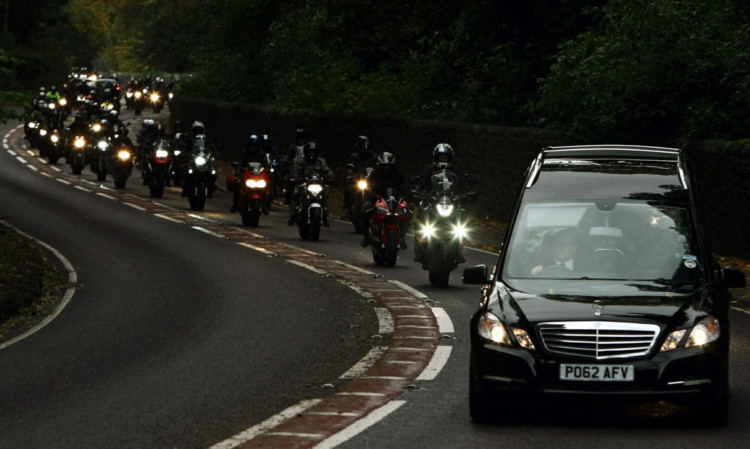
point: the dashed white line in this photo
(134, 206)
(306, 266)
(209, 232)
(173, 220)
(270, 423)
(359, 426)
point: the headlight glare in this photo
(673, 339)
(492, 329)
(315, 188)
(523, 339)
(445, 210)
(705, 332)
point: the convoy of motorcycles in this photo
(97, 137)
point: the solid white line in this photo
(445, 324)
(438, 361)
(359, 426)
(67, 296)
(254, 431)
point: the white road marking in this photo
(209, 232)
(359, 426)
(437, 363)
(266, 425)
(365, 363)
(445, 324)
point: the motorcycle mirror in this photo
(475, 275)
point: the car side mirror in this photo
(733, 278)
(475, 275)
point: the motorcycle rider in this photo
(252, 153)
(442, 159)
(385, 175)
(53, 95)
(310, 163)
(197, 128)
(293, 152)
(357, 166)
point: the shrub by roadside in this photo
(30, 279)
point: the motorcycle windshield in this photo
(444, 182)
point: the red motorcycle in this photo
(157, 166)
(390, 220)
(254, 196)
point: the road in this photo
(429, 412)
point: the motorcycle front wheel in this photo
(315, 220)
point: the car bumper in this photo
(681, 375)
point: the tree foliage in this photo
(594, 69)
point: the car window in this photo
(603, 240)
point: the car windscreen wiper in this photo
(676, 283)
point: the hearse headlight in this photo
(523, 339)
(703, 333)
(492, 329)
(673, 340)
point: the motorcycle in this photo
(52, 146)
(31, 131)
(139, 100)
(388, 224)
(156, 167)
(443, 226)
(357, 186)
(77, 154)
(101, 151)
(123, 158)
(200, 178)
(156, 100)
(254, 192)
(312, 207)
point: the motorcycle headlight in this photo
(177, 152)
(124, 155)
(200, 161)
(51, 105)
(54, 138)
(428, 230)
(362, 184)
(63, 102)
(79, 143)
(97, 127)
(256, 184)
(128, 94)
(154, 97)
(315, 188)
(460, 231)
(171, 95)
(444, 210)
(32, 125)
(42, 132)
(102, 145)
(138, 94)
(162, 154)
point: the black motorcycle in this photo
(356, 185)
(123, 157)
(52, 146)
(442, 227)
(157, 166)
(313, 207)
(101, 151)
(77, 155)
(200, 177)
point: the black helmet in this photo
(300, 134)
(311, 152)
(386, 158)
(363, 144)
(442, 155)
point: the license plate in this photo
(620, 373)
